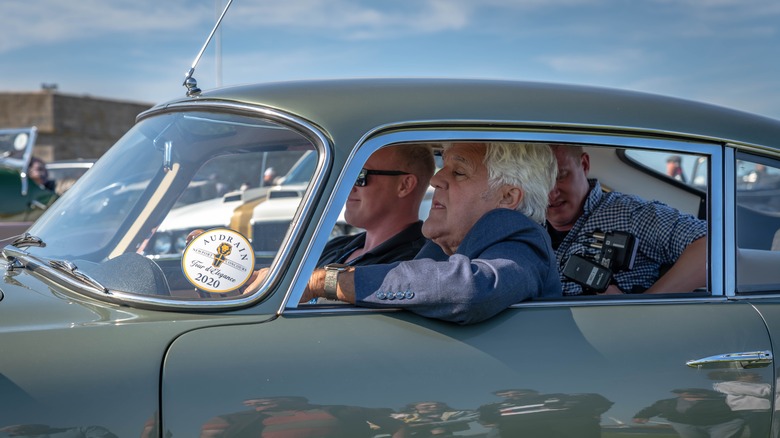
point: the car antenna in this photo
(189, 81)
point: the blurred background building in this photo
(68, 126)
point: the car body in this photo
(114, 340)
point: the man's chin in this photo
(429, 229)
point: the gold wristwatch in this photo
(332, 272)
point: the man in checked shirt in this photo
(666, 237)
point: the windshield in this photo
(172, 174)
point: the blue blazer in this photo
(504, 259)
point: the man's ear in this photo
(511, 197)
(406, 185)
(585, 162)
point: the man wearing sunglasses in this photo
(385, 202)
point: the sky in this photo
(725, 52)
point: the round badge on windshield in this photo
(218, 260)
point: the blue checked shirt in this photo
(663, 233)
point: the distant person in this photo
(674, 168)
(759, 178)
(433, 418)
(696, 413)
(268, 176)
(528, 413)
(293, 416)
(666, 237)
(385, 202)
(37, 173)
(747, 395)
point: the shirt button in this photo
(381, 295)
(391, 295)
(409, 295)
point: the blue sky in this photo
(725, 52)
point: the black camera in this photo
(617, 252)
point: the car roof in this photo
(347, 109)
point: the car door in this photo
(617, 359)
(580, 366)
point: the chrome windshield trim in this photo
(56, 272)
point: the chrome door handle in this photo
(749, 359)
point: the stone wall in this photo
(69, 126)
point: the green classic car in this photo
(100, 336)
(23, 200)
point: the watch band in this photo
(332, 272)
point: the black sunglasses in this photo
(362, 178)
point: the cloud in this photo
(40, 22)
(716, 18)
(595, 64)
(352, 19)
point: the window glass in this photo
(170, 175)
(686, 168)
(630, 240)
(758, 223)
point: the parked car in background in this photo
(22, 200)
(97, 335)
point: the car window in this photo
(171, 175)
(686, 168)
(628, 246)
(758, 223)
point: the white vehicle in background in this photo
(170, 238)
(232, 210)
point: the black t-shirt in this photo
(556, 237)
(403, 246)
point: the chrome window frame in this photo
(448, 131)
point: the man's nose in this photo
(554, 193)
(438, 180)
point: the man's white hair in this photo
(529, 166)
